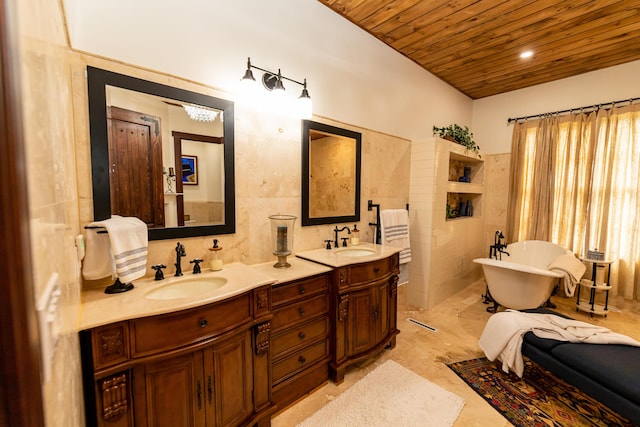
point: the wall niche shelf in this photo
(465, 184)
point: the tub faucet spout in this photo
(180, 252)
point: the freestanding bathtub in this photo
(521, 279)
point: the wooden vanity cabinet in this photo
(299, 338)
(364, 312)
(207, 366)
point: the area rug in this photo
(390, 395)
(537, 399)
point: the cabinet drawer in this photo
(300, 360)
(300, 336)
(163, 332)
(294, 313)
(283, 294)
(369, 271)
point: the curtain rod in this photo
(588, 107)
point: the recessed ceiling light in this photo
(526, 54)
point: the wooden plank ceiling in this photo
(475, 45)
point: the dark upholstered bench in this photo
(609, 373)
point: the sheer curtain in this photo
(575, 181)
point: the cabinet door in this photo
(170, 392)
(229, 379)
(361, 324)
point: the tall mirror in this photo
(330, 174)
(162, 154)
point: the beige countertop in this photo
(99, 308)
(339, 257)
(299, 269)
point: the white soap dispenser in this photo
(216, 264)
(355, 235)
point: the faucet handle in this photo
(159, 273)
(196, 265)
(328, 242)
(344, 241)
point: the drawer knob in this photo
(376, 270)
(302, 290)
(302, 360)
(301, 335)
(203, 323)
(301, 311)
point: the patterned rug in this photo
(537, 399)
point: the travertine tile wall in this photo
(496, 194)
(443, 251)
(268, 167)
(53, 199)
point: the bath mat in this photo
(390, 395)
(539, 398)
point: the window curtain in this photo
(575, 181)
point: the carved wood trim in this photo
(343, 307)
(112, 344)
(263, 336)
(393, 282)
(115, 396)
(263, 299)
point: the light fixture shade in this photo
(248, 75)
(200, 114)
(304, 102)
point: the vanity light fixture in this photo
(200, 114)
(274, 82)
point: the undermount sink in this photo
(188, 287)
(355, 252)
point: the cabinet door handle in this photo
(301, 335)
(302, 360)
(301, 311)
(199, 393)
(302, 290)
(203, 323)
(209, 389)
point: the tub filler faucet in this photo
(498, 247)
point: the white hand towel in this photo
(98, 260)
(571, 267)
(128, 241)
(394, 228)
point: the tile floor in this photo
(459, 322)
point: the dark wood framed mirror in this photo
(133, 153)
(331, 166)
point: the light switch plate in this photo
(49, 322)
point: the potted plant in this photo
(459, 135)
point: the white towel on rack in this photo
(98, 261)
(128, 243)
(394, 228)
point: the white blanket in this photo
(125, 249)
(572, 269)
(502, 335)
(394, 226)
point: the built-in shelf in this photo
(465, 183)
